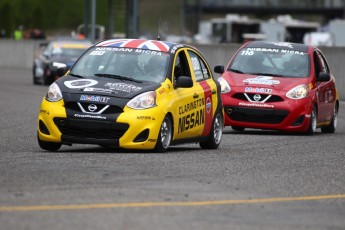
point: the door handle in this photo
(214, 91)
(195, 95)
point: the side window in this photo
(47, 50)
(181, 67)
(323, 63)
(320, 63)
(199, 67)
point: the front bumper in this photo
(288, 115)
(130, 130)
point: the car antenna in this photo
(159, 29)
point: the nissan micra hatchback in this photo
(133, 94)
(279, 86)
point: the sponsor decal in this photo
(257, 90)
(193, 115)
(118, 49)
(259, 105)
(145, 118)
(281, 44)
(138, 44)
(161, 91)
(262, 80)
(81, 83)
(296, 52)
(191, 106)
(98, 90)
(208, 105)
(250, 51)
(102, 50)
(97, 52)
(128, 88)
(94, 98)
(152, 140)
(191, 120)
(90, 116)
(173, 50)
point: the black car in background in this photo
(55, 54)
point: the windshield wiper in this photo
(116, 77)
(75, 75)
(235, 70)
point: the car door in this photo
(188, 107)
(207, 89)
(325, 90)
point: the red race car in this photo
(279, 86)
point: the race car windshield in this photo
(67, 52)
(271, 62)
(130, 64)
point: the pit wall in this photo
(20, 54)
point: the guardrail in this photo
(20, 54)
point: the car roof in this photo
(278, 45)
(71, 43)
(163, 46)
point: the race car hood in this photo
(69, 61)
(110, 87)
(277, 83)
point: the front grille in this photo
(272, 98)
(256, 115)
(112, 109)
(91, 128)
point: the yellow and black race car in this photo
(133, 94)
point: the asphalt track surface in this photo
(255, 180)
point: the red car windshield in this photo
(272, 62)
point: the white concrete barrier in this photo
(20, 54)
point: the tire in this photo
(333, 125)
(34, 75)
(49, 146)
(216, 133)
(313, 122)
(164, 136)
(45, 80)
(237, 128)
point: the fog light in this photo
(142, 136)
(43, 128)
(298, 121)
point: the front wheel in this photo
(216, 133)
(165, 135)
(332, 126)
(313, 120)
(49, 146)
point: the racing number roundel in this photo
(208, 105)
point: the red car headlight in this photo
(298, 92)
(224, 85)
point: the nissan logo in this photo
(257, 97)
(92, 107)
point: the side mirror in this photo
(323, 77)
(219, 69)
(184, 82)
(60, 71)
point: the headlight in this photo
(54, 93)
(59, 65)
(224, 85)
(143, 101)
(298, 92)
